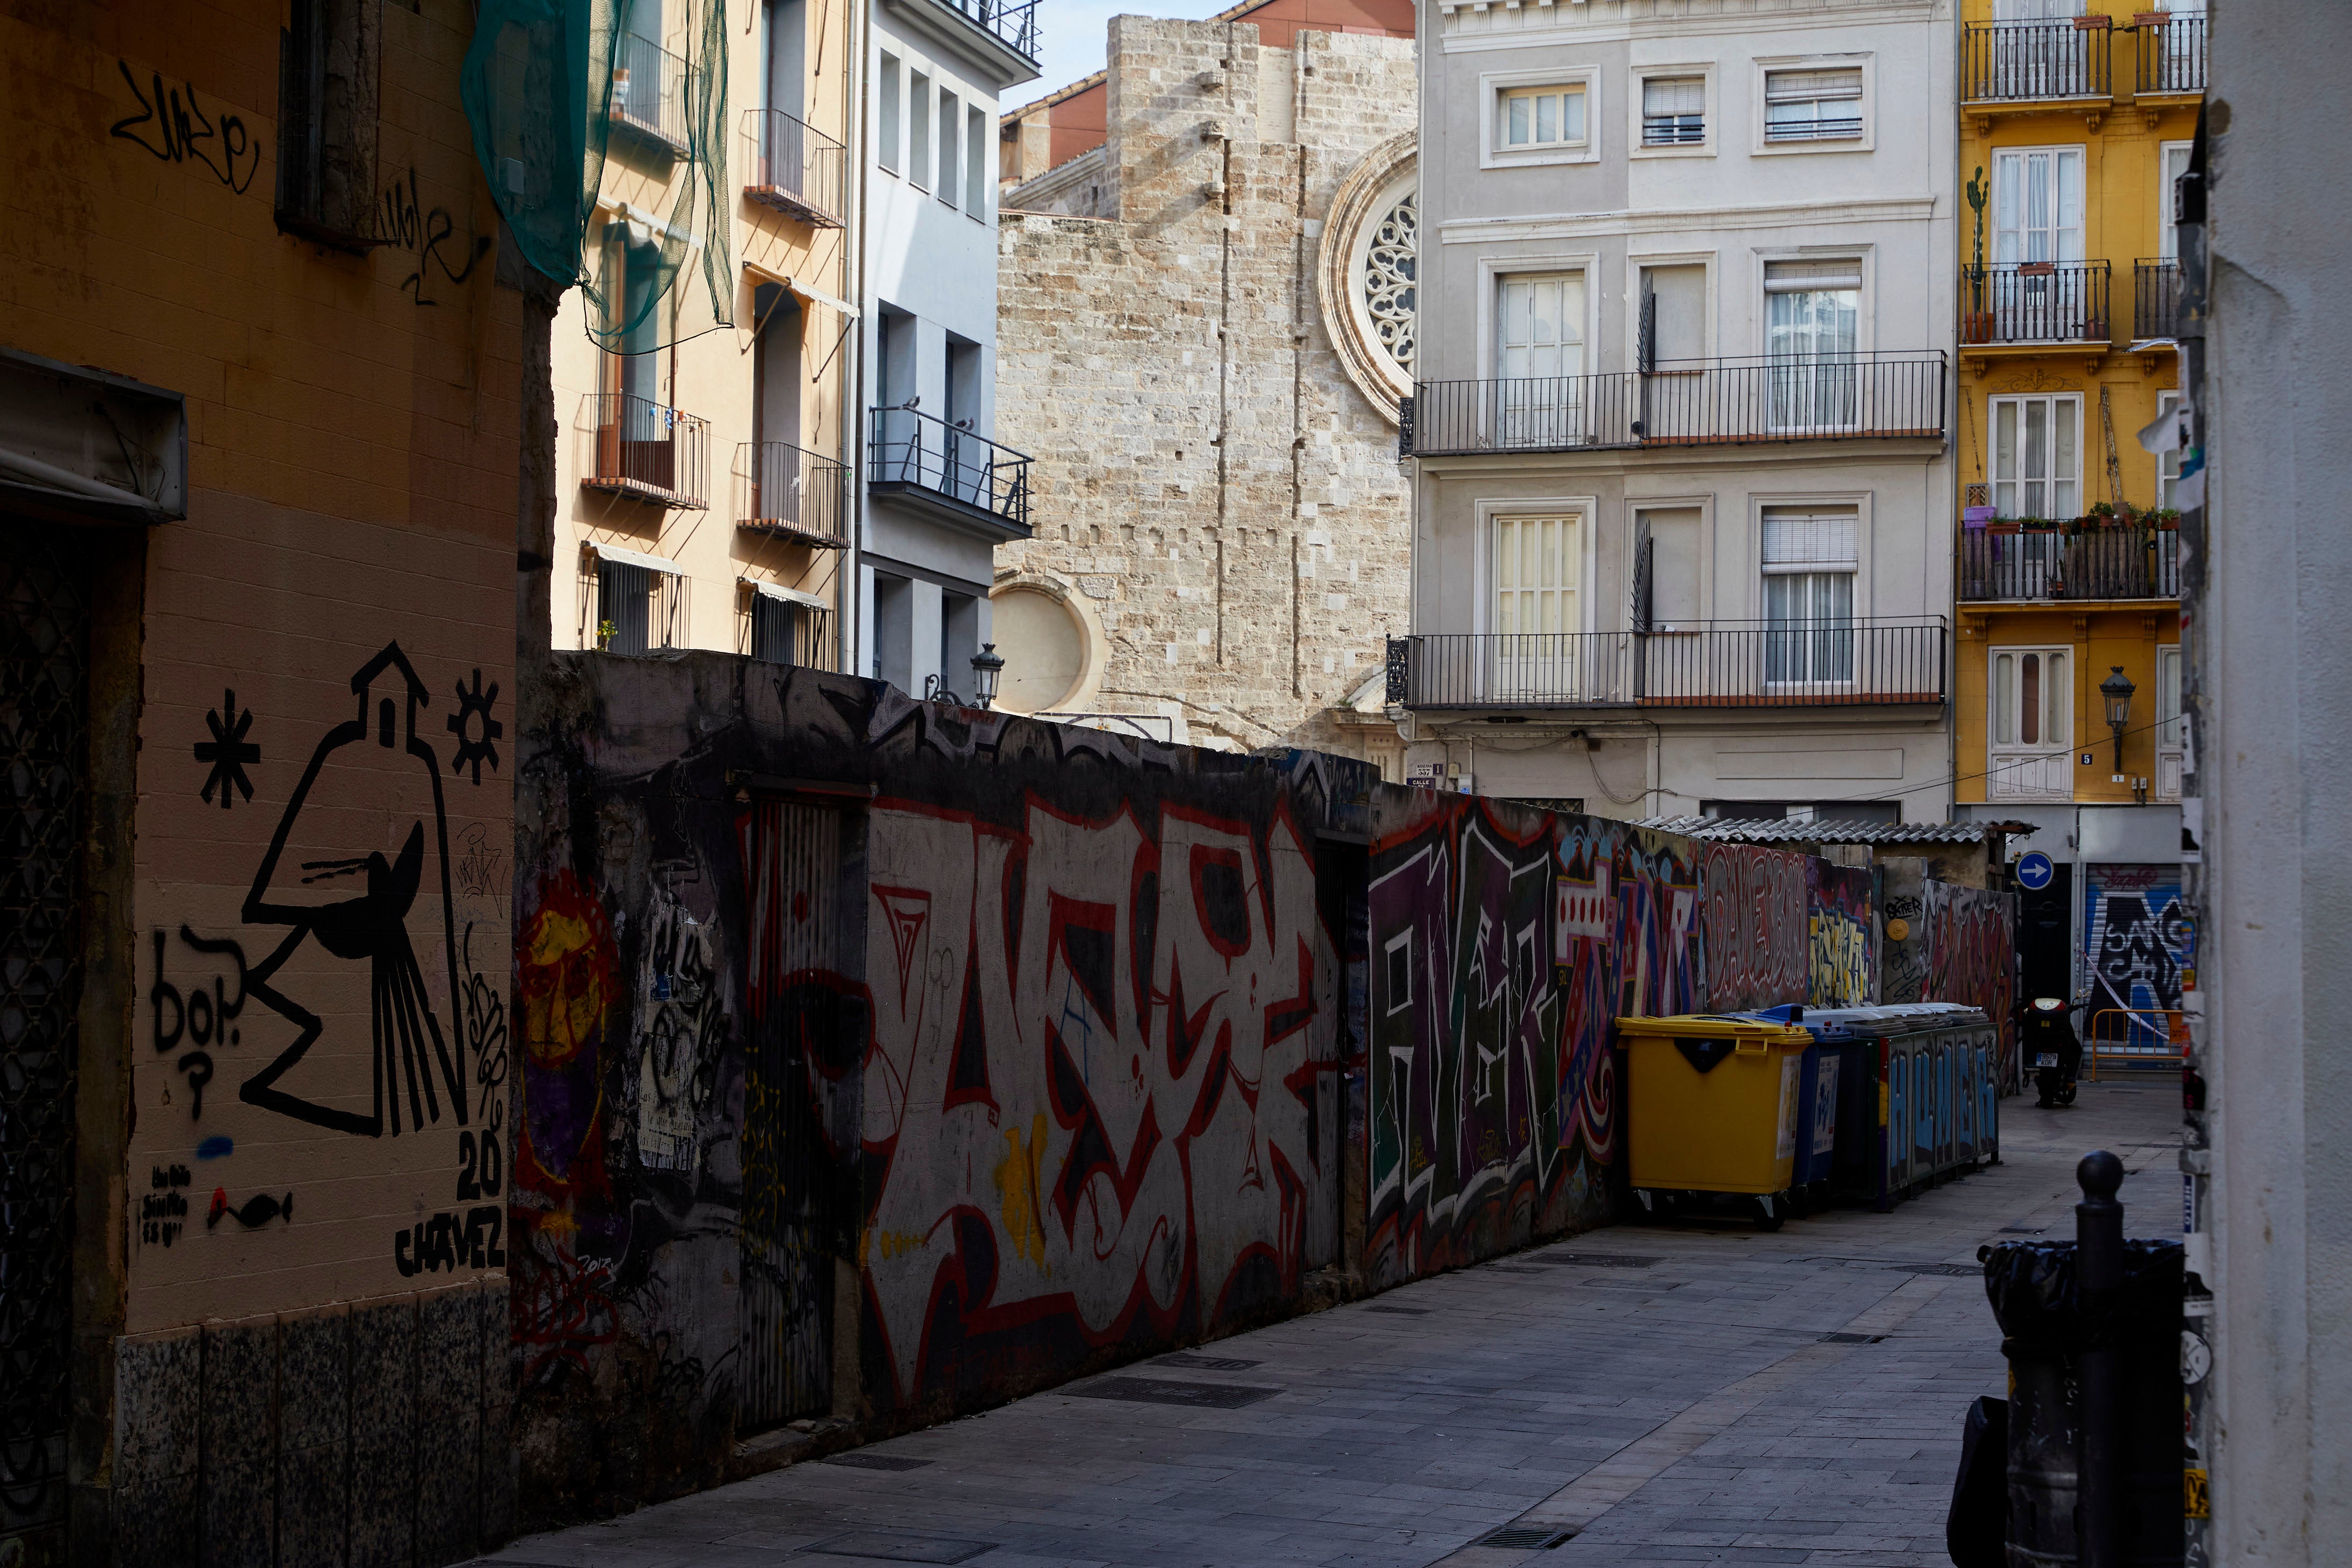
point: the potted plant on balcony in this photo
(2166, 517)
(2003, 525)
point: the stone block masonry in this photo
(1223, 498)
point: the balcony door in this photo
(2037, 460)
(634, 435)
(1813, 322)
(2170, 753)
(1536, 562)
(2040, 54)
(2029, 754)
(1811, 557)
(2041, 291)
(1539, 355)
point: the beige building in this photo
(1204, 332)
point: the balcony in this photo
(794, 169)
(789, 494)
(1845, 663)
(2171, 55)
(1683, 403)
(2051, 565)
(1012, 22)
(2025, 62)
(2155, 299)
(647, 451)
(649, 92)
(2034, 302)
(951, 473)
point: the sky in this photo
(1072, 34)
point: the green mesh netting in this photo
(575, 101)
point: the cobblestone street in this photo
(1669, 1394)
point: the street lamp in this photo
(986, 666)
(2118, 690)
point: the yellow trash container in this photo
(1712, 1109)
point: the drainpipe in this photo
(853, 423)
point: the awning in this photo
(648, 228)
(789, 595)
(637, 558)
(814, 296)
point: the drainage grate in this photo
(1952, 1268)
(875, 1461)
(1206, 1363)
(1851, 1338)
(1595, 1259)
(1168, 1391)
(1537, 1537)
(893, 1546)
(1401, 1311)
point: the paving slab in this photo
(1746, 1398)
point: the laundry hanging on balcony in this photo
(558, 90)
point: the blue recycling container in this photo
(1915, 1095)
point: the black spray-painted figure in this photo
(357, 907)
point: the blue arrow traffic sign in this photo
(2033, 871)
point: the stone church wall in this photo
(1218, 504)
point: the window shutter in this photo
(1674, 95)
(1643, 552)
(1803, 538)
(1804, 276)
(1649, 344)
(1810, 86)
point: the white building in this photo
(1681, 415)
(938, 496)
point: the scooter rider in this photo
(2046, 1029)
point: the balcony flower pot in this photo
(2150, 18)
(1976, 327)
(2004, 526)
(2092, 24)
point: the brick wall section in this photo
(1118, 340)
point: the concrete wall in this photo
(290, 1177)
(1218, 505)
(2268, 608)
(882, 1060)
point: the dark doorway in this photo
(2045, 937)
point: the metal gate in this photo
(799, 1212)
(44, 695)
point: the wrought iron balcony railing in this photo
(2126, 563)
(2034, 302)
(2007, 62)
(649, 451)
(2156, 299)
(793, 167)
(799, 496)
(2171, 55)
(913, 450)
(1685, 402)
(1013, 21)
(1843, 663)
(650, 91)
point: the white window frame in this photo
(1494, 85)
(1857, 389)
(1492, 269)
(1760, 500)
(1993, 481)
(1584, 510)
(1993, 213)
(1708, 144)
(2168, 238)
(2171, 730)
(1761, 146)
(2057, 757)
(2167, 464)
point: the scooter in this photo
(2055, 1049)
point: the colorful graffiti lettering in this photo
(1755, 928)
(1843, 971)
(1972, 959)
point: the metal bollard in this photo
(2099, 1277)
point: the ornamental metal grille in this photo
(44, 684)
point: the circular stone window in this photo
(1043, 648)
(1366, 279)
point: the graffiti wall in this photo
(1901, 929)
(999, 1051)
(1841, 913)
(1753, 927)
(2137, 939)
(1505, 942)
(1971, 945)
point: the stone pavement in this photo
(1684, 1393)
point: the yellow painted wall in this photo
(353, 436)
(711, 375)
(2123, 209)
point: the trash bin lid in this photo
(1717, 1026)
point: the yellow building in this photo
(2076, 116)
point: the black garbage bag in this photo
(2036, 1297)
(1977, 1528)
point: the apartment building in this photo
(2076, 122)
(704, 374)
(939, 494)
(1681, 413)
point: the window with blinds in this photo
(1813, 105)
(1674, 112)
(1808, 559)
